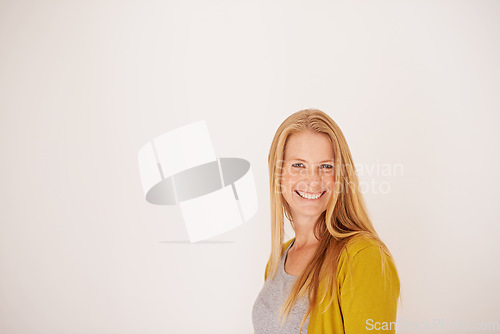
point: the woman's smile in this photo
(309, 196)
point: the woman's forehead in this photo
(309, 146)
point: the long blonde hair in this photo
(345, 216)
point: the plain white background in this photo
(83, 85)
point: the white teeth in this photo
(308, 196)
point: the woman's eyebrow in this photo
(299, 159)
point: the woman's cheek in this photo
(285, 183)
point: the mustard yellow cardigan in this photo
(367, 302)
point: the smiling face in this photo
(307, 177)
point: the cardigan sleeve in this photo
(369, 294)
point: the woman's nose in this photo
(313, 175)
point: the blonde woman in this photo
(335, 275)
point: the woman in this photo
(335, 275)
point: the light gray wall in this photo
(83, 85)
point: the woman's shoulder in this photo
(361, 243)
(368, 262)
(355, 244)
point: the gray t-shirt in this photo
(265, 313)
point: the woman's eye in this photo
(295, 164)
(327, 166)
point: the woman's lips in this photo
(309, 196)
